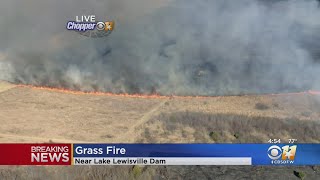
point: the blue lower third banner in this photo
(196, 154)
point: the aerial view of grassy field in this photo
(49, 117)
(159, 71)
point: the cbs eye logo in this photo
(286, 152)
(274, 152)
(105, 26)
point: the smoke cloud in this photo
(182, 47)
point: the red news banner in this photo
(35, 154)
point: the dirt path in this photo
(128, 136)
(132, 133)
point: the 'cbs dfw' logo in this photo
(87, 26)
(283, 155)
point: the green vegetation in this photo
(214, 135)
(300, 175)
(236, 135)
(136, 171)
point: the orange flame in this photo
(154, 96)
(96, 93)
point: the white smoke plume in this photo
(182, 47)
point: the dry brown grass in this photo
(156, 172)
(4, 86)
(37, 116)
(222, 128)
(29, 115)
(33, 115)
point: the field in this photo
(35, 115)
(42, 116)
(30, 114)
